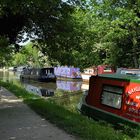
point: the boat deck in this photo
(128, 77)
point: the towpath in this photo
(19, 122)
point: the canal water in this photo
(64, 92)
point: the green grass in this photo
(74, 123)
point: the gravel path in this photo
(19, 122)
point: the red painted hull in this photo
(116, 96)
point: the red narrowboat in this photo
(113, 97)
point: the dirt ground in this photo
(19, 122)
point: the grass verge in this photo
(73, 123)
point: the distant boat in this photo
(113, 97)
(20, 69)
(67, 72)
(40, 74)
(95, 70)
(126, 71)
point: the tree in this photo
(48, 22)
(5, 57)
(113, 23)
(116, 23)
(94, 33)
(29, 55)
(43, 18)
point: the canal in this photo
(64, 92)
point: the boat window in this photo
(48, 71)
(112, 96)
(37, 73)
(107, 69)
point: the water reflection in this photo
(60, 88)
(39, 91)
(69, 85)
(7, 75)
(65, 93)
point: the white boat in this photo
(95, 70)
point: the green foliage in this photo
(29, 55)
(43, 18)
(68, 33)
(5, 51)
(19, 59)
(126, 30)
(113, 23)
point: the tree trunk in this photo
(136, 64)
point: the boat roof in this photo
(122, 77)
(47, 68)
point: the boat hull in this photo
(113, 98)
(37, 78)
(86, 77)
(99, 114)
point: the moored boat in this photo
(95, 70)
(65, 72)
(113, 97)
(40, 74)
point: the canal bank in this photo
(19, 122)
(65, 117)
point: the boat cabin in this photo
(40, 74)
(95, 70)
(113, 97)
(67, 72)
(105, 69)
